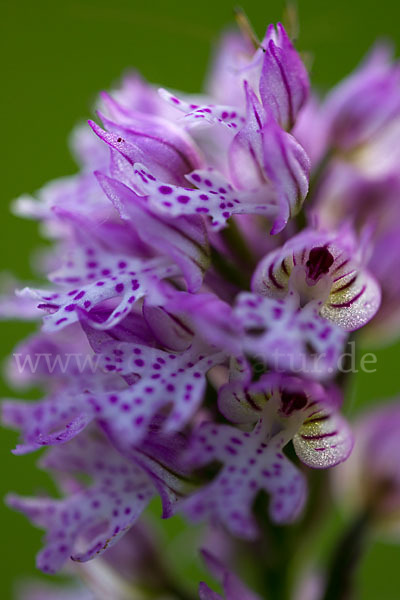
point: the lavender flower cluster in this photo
(213, 310)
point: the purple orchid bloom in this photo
(323, 269)
(276, 409)
(190, 317)
(116, 498)
(268, 167)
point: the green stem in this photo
(237, 244)
(272, 555)
(228, 270)
(277, 571)
(345, 559)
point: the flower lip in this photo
(322, 268)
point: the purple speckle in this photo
(165, 190)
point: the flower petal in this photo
(280, 334)
(162, 141)
(284, 84)
(285, 399)
(246, 153)
(214, 197)
(324, 440)
(251, 462)
(353, 302)
(287, 166)
(230, 116)
(160, 380)
(92, 274)
(86, 523)
(184, 239)
(348, 295)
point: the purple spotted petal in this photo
(206, 114)
(86, 523)
(52, 421)
(92, 275)
(160, 380)
(272, 332)
(214, 197)
(166, 379)
(251, 462)
(184, 238)
(51, 358)
(277, 333)
(284, 84)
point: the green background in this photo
(55, 57)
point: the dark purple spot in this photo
(165, 189)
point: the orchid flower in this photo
(192, 325)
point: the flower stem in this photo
(237, 244)
(228, 270)
(345, 559)
(272, 556)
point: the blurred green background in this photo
(55, 57)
